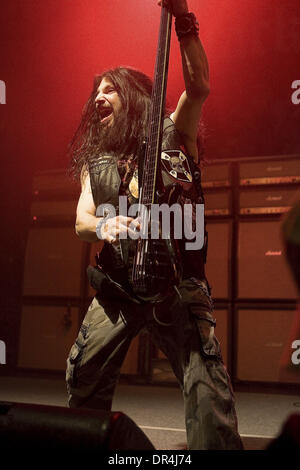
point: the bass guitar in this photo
(154, 265)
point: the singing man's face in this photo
(107, 102)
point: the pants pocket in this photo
(210, 346)
(76, 355)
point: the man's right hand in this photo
(120, 226)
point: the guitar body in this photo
(153, 264)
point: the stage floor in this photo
(158, 410)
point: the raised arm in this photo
(196, 76)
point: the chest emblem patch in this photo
(176, 164)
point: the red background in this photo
(50, 51)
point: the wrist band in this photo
(185, 25)
(99, 227)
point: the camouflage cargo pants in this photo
(94, 362)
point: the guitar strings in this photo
(148, 177)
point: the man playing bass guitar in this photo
(106, 153)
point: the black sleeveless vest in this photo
(176, 165)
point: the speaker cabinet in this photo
(64, 210)
(54, 184)
(262, 337)
(46, 336)
(263, 272)
(266, 200)
(53, 262)
(218, 258)
(217, 176)
(218, 203)
(268, 171)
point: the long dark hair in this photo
(127, 134)
(134, 89)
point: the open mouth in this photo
(105, 113)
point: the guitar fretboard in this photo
(153, 149)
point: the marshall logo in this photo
(2, 92)
(274, 168)
(273, 253)
(274, 198)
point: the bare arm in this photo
(188, 111)
(86, 220)
(196, 76)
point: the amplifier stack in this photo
(52, 281)
(266, 294)
(262, 295)
(217, 182)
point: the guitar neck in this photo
(154, 138)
